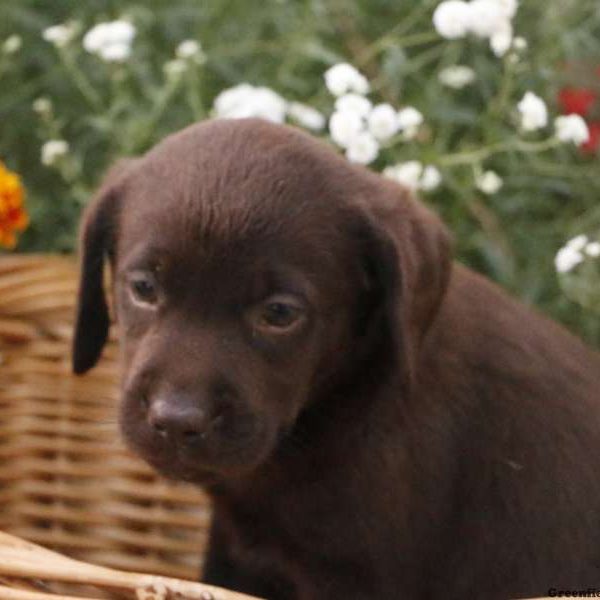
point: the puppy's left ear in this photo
(409, 257)
(92, 320)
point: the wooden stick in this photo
(7, 593)
(19, 558)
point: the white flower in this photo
(578, 243)
(487, 17)
(593, 249)
(408, 173)
(232, 99)
(452, 19)
(534, 114)
(42, 105)
(354, 103)
(409, 119)
(572, 128)
(431, 178)
(489, 182)
(269, 105)
(61, 35)
(383, 122)
(414, 175)
(112, 32)
(115, 52)
(567, 258)
(188, 49)
(307, 116)
(343, 78)
(175, 67)
(514, 59)
(53, 150)
(12, 44)
(110, 41)
(245, 100)
(509, 7)
(502, 40)
(570, 255)
(363, 148)
(457, 76)
(520, 43)
(344, 127)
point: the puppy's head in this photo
(254, 273)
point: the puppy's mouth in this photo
(184, 466)
(207, 461)
(180, 470)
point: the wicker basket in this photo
(66, 481)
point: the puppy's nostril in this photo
(177, 421)
(192, 436)
(160, 428)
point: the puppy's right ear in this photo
(407, 253)
(96, 243)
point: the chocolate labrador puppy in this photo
(371, 420)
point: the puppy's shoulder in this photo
(489, 331)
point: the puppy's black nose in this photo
(180, 420)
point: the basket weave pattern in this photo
(66, 480)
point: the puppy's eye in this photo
(143, 288)
(279, 314)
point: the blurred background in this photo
(474, 103)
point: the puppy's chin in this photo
(204, 477)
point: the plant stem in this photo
(498, 105)
(465, 158)
(157, 112)
(399, 29)
(194, 97)
(416, 39)
(79, 79)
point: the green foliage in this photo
(106, 110)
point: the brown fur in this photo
(418, 435)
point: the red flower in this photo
(591, 146)
(577, 101)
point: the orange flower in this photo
(13, 216)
